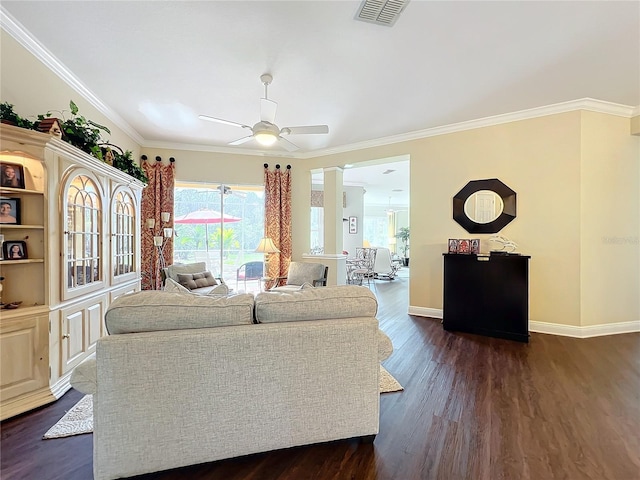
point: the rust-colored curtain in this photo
(277, 217)
(157, 197)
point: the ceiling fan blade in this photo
(309, 129)
(220, 120)
(240, 141)
(268, 110)
(287, 145)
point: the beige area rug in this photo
(76, 421)
(388, 383)
(79, 419)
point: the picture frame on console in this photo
(464, 246)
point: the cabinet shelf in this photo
(22, 311)
(17, 191)
(11, 226)
(26, 260)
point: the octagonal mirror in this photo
(484, 206)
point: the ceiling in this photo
(157, 65)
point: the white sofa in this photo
(184, 379)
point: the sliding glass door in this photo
(220, 225)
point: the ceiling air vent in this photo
(381, 12)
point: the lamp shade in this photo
(266, 246)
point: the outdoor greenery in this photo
(403, 236)
(237, 240)
(81, 133)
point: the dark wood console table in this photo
(487, 295)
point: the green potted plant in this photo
(8, 116)
(80, 132)
(403, 235)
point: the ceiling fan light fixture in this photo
(265, 138)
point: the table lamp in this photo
(267, 247)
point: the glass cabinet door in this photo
(82, 236)
(123, 247)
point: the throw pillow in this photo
(171, 285)
(221, 289)
(172, 271)
(196, 280)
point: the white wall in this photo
(354, 208)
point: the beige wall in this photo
(576, 175)
(610, 221)
(545, 160)
(33, 89)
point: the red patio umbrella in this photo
(206, 217)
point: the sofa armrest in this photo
(84, 376)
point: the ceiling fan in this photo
(266, 132)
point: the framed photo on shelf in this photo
(11, 175)
(475, 246)
(453, 245)
(353, 224)
(14, 250)
(10, 210)
(464, 246)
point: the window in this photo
(317, 230)
(218, 224)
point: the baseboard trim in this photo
(24, 403)
(425, 312)
(552, 328)
(585, 332)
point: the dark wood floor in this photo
(472, 408)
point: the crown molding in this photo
(30, 43)
(194, 147)
(589, 104)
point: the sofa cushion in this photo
(196, 280)
(343, 301)
(291, 288)
(153, 310)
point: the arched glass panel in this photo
(83, 232)
(123, 234)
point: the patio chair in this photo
(304, 273)
(383, 266)
(249, 271)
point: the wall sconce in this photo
(159, 238)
